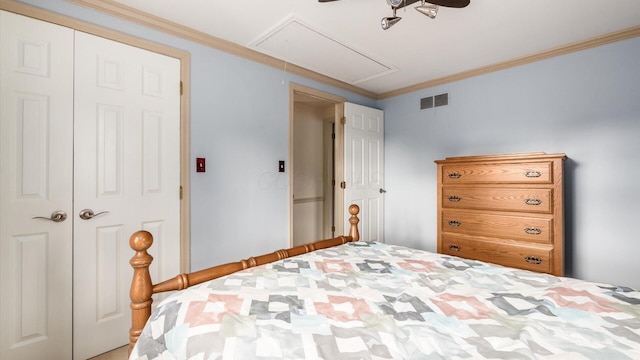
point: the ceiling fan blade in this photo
(445, 3)
(450, 3)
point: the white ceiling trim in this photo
(118, 9)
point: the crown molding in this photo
(125, 12)
(543, 55)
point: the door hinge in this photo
(181, 87)
(180, 192)
(333, 229)
(343, 120)
(333, 182)
(343, 185)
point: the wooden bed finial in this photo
(353, 220)
(141, 285)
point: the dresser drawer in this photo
(535, 172)
(498, 226)
(502, 199)
(503, 253)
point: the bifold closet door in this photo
(36, 169)
(127, 178)
(89, 153)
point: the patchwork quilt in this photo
(377, 301)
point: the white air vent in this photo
(300, 44)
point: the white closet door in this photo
(36, 144)
(364, 168)
(127, 172)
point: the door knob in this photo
(56, 216)
(382, 191)
(88, 214)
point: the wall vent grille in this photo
(426, 103)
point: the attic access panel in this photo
(300, 44)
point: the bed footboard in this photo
(142, 288)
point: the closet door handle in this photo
(88, 214)
(56, 216)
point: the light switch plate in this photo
(200, 165)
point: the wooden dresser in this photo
(504, 209)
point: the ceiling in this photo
(344, 40)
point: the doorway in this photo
(316, 164)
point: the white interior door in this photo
(36, 145)
(364, 168)
(127, 173)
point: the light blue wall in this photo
(585, 104)
(240, 124)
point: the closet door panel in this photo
(36, 153)
(127, 171)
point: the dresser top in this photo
(503, 157)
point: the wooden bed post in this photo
(141, 285)
(353, 220)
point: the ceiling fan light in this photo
(388, 22)
(429, 10)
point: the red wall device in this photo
(200, 165)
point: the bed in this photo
(347, 299)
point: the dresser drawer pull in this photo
(533, 174)
(455, 247)
(532, 231)
(454, 175)
(454, 198)
(533, 201)
(454, 223)
(533, 260)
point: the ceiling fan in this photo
(402, 3)
(428, 8)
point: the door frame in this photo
(338, 104)
(185, 65)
